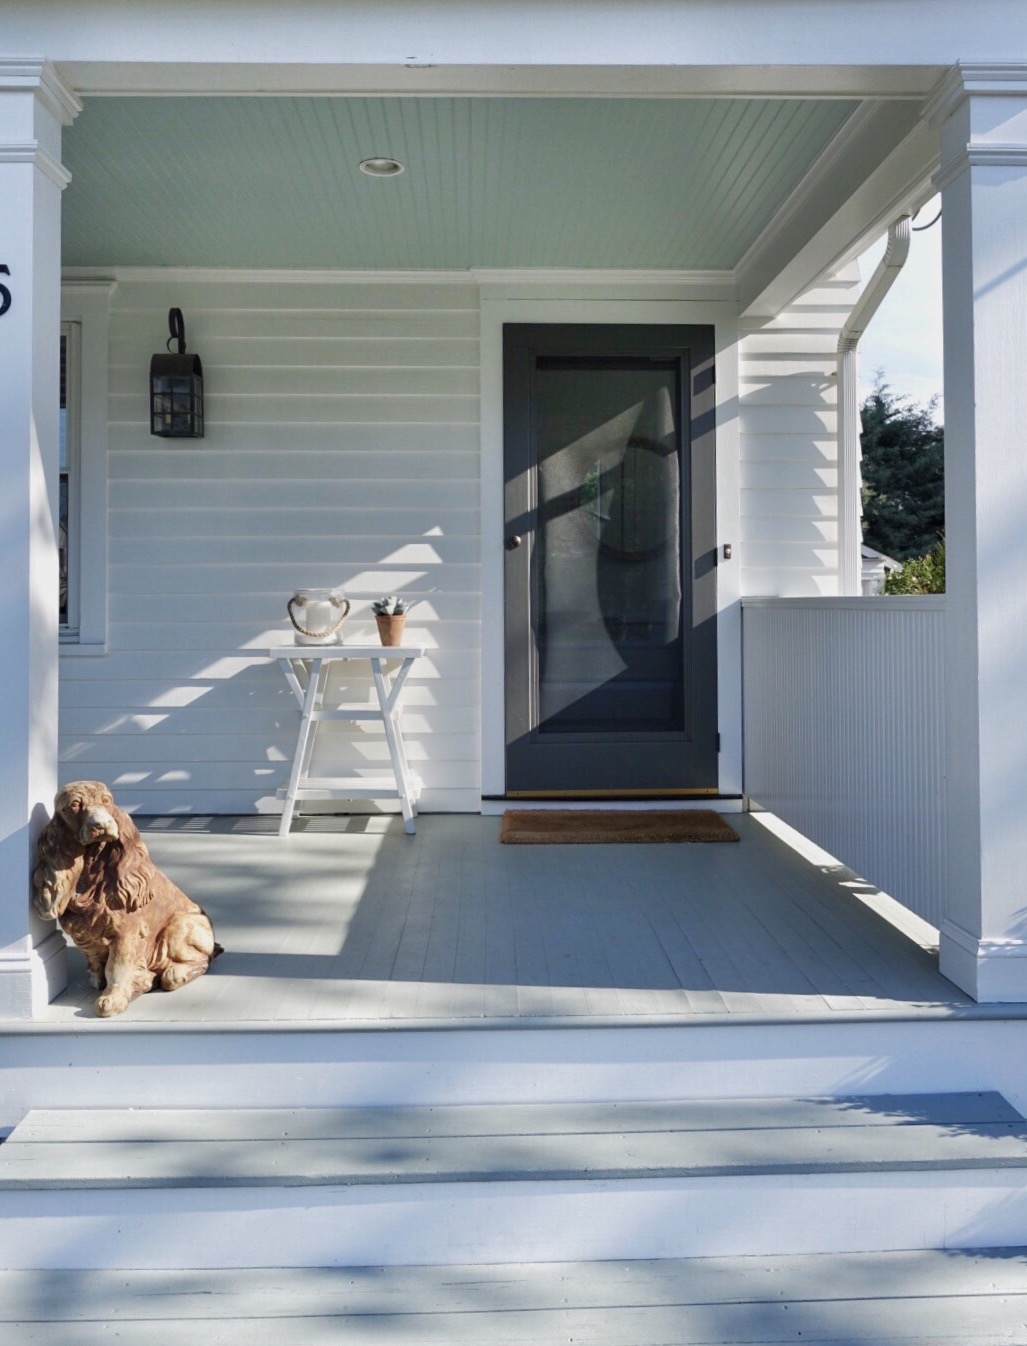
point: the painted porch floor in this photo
(880, 1299)
(348, 920)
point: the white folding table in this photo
(306, 669)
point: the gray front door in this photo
(611, 657)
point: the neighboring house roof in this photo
(874, 568)
(872, 557)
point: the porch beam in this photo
(846, 202)
(34, 105)
(502, 80)
(982, 115)
(462, 45)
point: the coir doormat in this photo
(591, 827)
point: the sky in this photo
(904, 339)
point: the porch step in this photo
(539, 1182)
(875, 1299)
(115, 1064)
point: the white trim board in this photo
(495, 808)
(660, 284)
(86, 302)
(505, 307)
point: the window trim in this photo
(85, 317)
(71, 341)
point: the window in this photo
(82, 517)
(70, 479)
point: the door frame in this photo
(655, 304)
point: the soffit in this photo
(489, 182)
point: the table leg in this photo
(304, 743)
(397, 749)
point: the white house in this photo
(541, 315)
(874, 569)
(700, 173)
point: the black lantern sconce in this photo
(176, 388)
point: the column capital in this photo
(968, 80)
(35, 154)
(980, 112)
(34, 136)
(35, 74)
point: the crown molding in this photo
(36, 73)
(93, 282)
(980, 156)
(33, 153)
(538, 277)
(87, 294)
(73, 275)
(608, 277)
(963, 81)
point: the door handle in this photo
(513, 542)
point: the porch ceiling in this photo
(490, 182)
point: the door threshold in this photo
(497, 805)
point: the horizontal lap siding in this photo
(789, 464)
(342, 448)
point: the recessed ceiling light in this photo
(381, 168)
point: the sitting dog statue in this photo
(95, 876)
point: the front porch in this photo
(356, 437)
(351, 922)
(545, 994)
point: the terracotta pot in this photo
(390, 627)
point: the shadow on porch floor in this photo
(350, 920)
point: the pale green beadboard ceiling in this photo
(273, 182)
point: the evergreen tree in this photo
(903, 475)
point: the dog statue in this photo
(95, 876)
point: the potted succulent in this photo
(390, 613)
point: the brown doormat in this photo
(590, 827)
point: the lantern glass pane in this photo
(176, 403)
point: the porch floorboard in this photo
(878, 1299)
(349, 920)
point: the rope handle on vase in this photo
(329, 631)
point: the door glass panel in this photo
(608, 585)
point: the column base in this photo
(993, 971)
(30, 977)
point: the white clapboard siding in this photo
(224, 492)
(341, 449)
(343, 525)
(845, 733)
(235, 720)
(238, 547)
(304, 442)
(788, 424)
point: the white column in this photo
(34, 105)
(982, 114)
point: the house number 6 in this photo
(5, 294)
